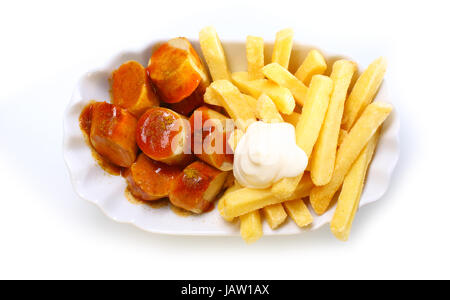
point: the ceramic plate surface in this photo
(107, 192)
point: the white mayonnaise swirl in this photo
(267, 153)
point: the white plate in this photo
(107, 192)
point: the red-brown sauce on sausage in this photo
(157, 131)
(196, 183)
(86, 118)
(199, 135)
(85, 126)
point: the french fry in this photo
(274, 215)
(350, 195)
(234, 103)
(251, 227)
(299, 212)
(247, 86)
(211, 97)
(313, 114)
(266, 110)
(358, 137)
(308, 127)
(281, 96)
(255, 57)
(363, 92)
(285, 186)
(283, 77)
(293, 118)
(283, 47)
(324, 154)
(221, 203)
(245, 200)
(314, 64)
(214, 55)
(342, 135)
(250, 101)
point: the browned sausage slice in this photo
(197, 187)
(113, 133)
(164, 135)
(149, 179)
(209, 138)
(176, 70)
(132, 89)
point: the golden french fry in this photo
(275, 215)
(299, 212)
(358, 137)
(214, 55)
(314, 64)
(220, 208)
(266, 110)
(234, 103)
(324, 154)
(285, 186)
(283, 77)
(292, 118)
(255, 57)
(308, 127)
(220, 203)
(363, 92)
(251, 227)
(313, 113)
(211, 97)
(342, 135)
(234, 138)
(283, 47)
(350, 195)
(250, 101)
(281, 96)
(247, 86)
(246, 200)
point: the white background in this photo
(46, 231)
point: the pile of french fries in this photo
(337, 127)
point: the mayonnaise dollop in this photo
(267, 153)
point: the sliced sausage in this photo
(132, 89)
(197, 187)
(112, 133)
(209, 138)
(176, 70)
(164, 135)
(150, 180)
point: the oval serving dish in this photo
(93, 184)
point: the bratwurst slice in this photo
(131, 88)
(196, 187)
(209, 138)
(164, 135)
(176, 70)
(150, 180)
(113, 133)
